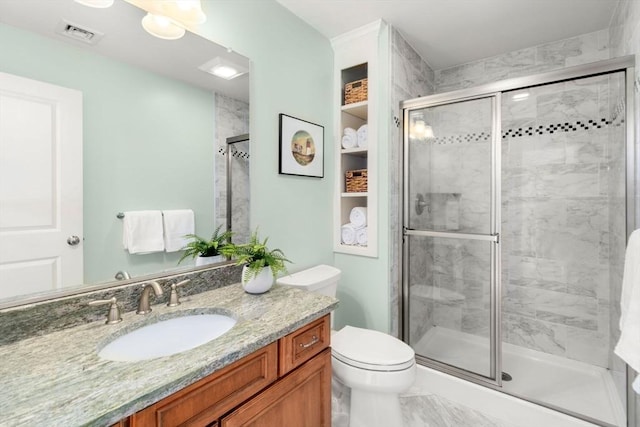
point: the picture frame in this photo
(301, 147)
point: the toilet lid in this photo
(371, 350)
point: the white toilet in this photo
(374, 365)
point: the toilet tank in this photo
(322, 279)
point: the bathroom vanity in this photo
(272, 368)
(287, 382)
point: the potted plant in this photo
(207, 251)
(261, 264)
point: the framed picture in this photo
(301, 147)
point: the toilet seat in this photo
(371, 350)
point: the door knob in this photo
(73, 240)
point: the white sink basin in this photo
(167, 337)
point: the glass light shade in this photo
(162, 27)
(102, 4)
(187, 12)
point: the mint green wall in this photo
(364, 290)
(148, 144)
(291, 73)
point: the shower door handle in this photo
(453, 235)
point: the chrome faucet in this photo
(144, 307)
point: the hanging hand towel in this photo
(363, 136)
(177, 224)
(358, 217)
(362, 237)
(349, 138)
(142, 231)
(348, 234)
(628, 346)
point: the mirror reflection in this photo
(94, 126)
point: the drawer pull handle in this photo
(314, 340)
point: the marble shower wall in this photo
(411, 77)
(558, 211)
(578, 50)
(232, 119)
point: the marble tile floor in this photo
(419, 409)
(427, 410)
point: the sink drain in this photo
(506, 377)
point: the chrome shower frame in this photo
(494, 90)
(230, 141)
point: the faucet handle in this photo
(114, 310)
(174, 298)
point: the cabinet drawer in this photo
(301, 345)
(301, 399)
(203, 402)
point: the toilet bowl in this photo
(374, 365)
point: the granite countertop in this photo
(58, 378)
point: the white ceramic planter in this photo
(260, 283)
(206, 260)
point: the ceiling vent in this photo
(78, 33)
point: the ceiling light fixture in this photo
(223, 68)
(101, 4)
(420, 130)
(168, 19)
(162, 27)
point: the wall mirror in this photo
(153, 136)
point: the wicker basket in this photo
(356, 181)
(356, 91)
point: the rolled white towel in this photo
(349, 138)
(363, 136)
(362, 236)
(358, 217)
(348, 234)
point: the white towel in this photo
(358, 217)
(628, 346)
(177, 224)
(348, 234)
(362, 237)
(142, 231)
(363, 136)
(349, 138)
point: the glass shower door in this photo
(451, 255)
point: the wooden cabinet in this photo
(287, 380)
(302, 398)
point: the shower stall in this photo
(518, 200)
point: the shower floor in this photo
(572, 385)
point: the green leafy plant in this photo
(203, 247)
(256, 255)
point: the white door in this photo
(40, 186)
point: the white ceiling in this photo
(452, 32)
(125, 40)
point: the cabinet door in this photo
(301, 399)
(202, 403)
